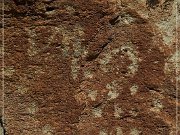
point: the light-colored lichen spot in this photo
(39, 71)
(112, 95)
(73, 38)
(9, 71)
(49, 13)
(107, 58)
(117, 111)
(113, 90)
(32, 50)
(157, 105)
(178, 76)
(22, 89)
(172, 132)
(168, 26)
(1, 131)
(79, 30)
(70, 9)
(126, 19)
(36, 70)
(32, 109)
(103, 132)
(97, 112)
(92, 94)
(75, 68)
(22, 86)
(133, 112)
(88, 74)
(134, 89)
(47, 130)
(119, 131)
(78, 33)
(172, 63)
(132, 54)
(66, 40)
(135, 131)
(81, 97)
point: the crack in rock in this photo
(2, 128)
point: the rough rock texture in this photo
(90, 67)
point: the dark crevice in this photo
(125, 117)
(152, 88)
(152, 3)
(76, 13)
(168, 1)
(24, 2)
(114, 20)
(98, 105)
(124, 72)
(16, 14)
(93, 56)
(50, 9)
(2, 126)
(49, 1)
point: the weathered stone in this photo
(90, 67)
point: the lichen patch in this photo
(134, 89)
(117, 111)
(9, 70)
(132, 54)
(88, 74)
(113, 90)
(32, 109)
(92, 94)
(75, 68)
(97, 112)
(168, 26)
(157, 105)
(22, 89)
(32, 50)
(103, 132)
(72, 39)
(47, 130)
(135, 131)
(81, 97)
(112, 95)
(107, 57)
(119, 131)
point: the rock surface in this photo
(90, 67)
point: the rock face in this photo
(90, 67)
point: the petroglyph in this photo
(119, 131)
(32, 109)
(113, 90)
(103, 132)
(96, 67)
(47, 130)
(106, 59)
(9, 71)
(32, 50)
(97, 112)
(92, 94)
(22, 89)
(167, 26)
(132, 54)
(134, 89)
(117, 111)
(134, 131)
(157, 105)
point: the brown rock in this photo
(96, 67)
